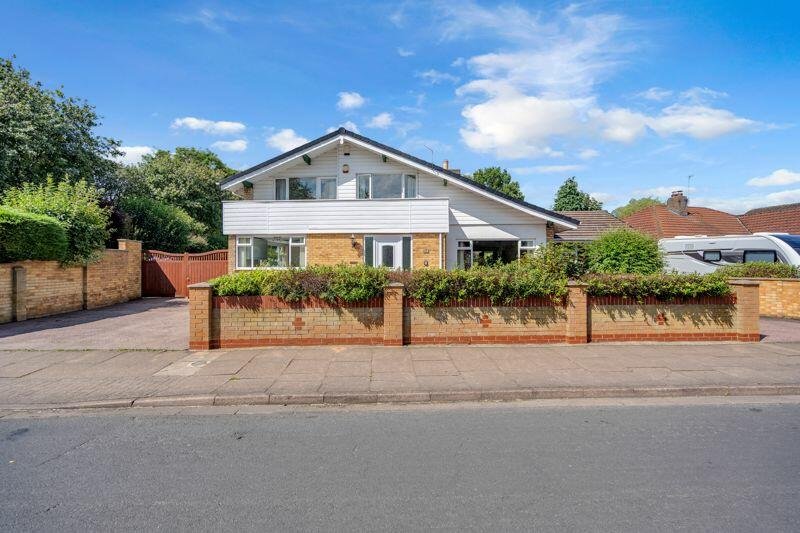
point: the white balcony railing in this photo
(298, 217)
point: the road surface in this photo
(717, 466)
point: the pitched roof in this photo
(660, 222)
(778, 218)
(592, 224)
(450, 175)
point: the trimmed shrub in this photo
(30, 236)
(158, 225)
(760, 270)
(625, 251)
(663, 286)
(76, 206)
(331, 283)
(565, 258)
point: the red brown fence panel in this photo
(167, 274)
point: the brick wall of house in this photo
(394, 320)
(425, 247)
(231, 253)
(534, 320)
(50, 288)
(779, 297)
(334, 248)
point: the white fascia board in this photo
(278, 164)
(476, 190)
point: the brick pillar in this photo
(19, 294)
(550, 232)
(200, 298)
(393, 315)
(134, 268)
(577, 313)
(747, 309)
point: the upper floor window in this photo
(387, 185)
(305, 188)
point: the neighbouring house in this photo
(344, 198)
(775, 219)
(678, 218)
(592, 225)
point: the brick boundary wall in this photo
(392, 320)
(779, 298)
(32, 289)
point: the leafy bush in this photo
(566, 258)
(30, 236)
(663, 286)
(158, 225)
(760, 270)
(625, 251)
(501, 284)
(75, 205)
(331, 283)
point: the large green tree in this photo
(634, 205)
(500, 180)
(570, 198)
(186, 178)
(43, 132)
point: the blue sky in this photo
(631, 98)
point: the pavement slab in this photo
(359, 373)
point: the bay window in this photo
(386, 185)
(270, 252)
(305, 188)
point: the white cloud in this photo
(285, 139)
(132, 155)
(238, 145)
(402, 52)
(656, 94)
(542, 86)
(350, 100)
(219, 127)
(348, 125)
(744, 203)
(602, 196)
(665, 191)
(381, 121)
(547, 169)
(215, 21)
(435, 77)
(588, 153)
(781, 176)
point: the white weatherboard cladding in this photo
(335, 216)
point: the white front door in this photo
(389, 252)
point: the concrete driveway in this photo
(149, 323)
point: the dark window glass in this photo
(712, 256)
(387, 186)
(302, 188)
(280, 190)
(759, 256)
(363, 186)
(327, 188)
(387, 256)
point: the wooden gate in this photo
(166, 274)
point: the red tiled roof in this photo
(592, 224)
(661, 223)
(779, 219)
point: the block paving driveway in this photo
(136, 350)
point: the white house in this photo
(344, 198)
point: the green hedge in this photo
(30, 236)
(625, 251)
(331, 283)
(663, 286)
(760, 270)
(501, 284)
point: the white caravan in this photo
(703, 254)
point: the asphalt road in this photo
(731, 467)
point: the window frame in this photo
(295, 241)
(527, 247)
(403, 191)
(317, 188)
